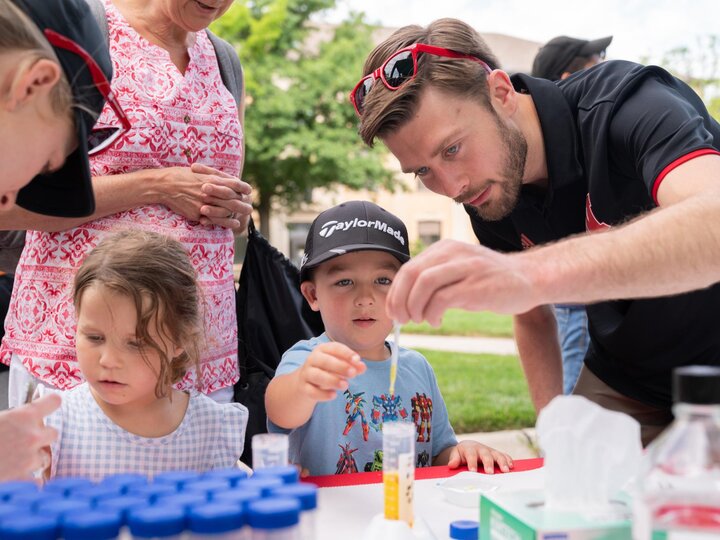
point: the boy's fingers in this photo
(488, 462)
(333, 364)
(471, 460)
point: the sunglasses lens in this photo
(102, 138)
(361, 91)
(399, 69)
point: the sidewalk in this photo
(473, 345)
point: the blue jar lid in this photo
(94, 493)
(9, 511)
(231, 474)
(287, 473)
(211, 485)
(184, 500)
(66, 484)
(177, 478)
(32, 499)
(152, 491)
(215, 518)
(29, 527)
(157, 521)
(61, 508)
(124, 481)
(464, 530)
(274, 513)
(241, 497)
(8, 489)
(265, 485)
(123, 505)
(93, 525)
(302, 491)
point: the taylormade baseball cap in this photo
(353, 226)
(68, 192)
(555, 56)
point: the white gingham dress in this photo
(89, 444)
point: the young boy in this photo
(331, 392)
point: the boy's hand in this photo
(328, 369)
(472, 453)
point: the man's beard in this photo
(515, 156)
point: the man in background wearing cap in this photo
(331, 392)
(557, 60)
(562, 56)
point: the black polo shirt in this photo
(611, 135)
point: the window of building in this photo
(428, 232)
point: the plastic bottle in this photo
(216, 521)
(164, 521)
(307, 495)
(275, 518)
(464, 529)
(679, 483)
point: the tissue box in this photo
(521, 515)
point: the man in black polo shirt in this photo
(621, 158)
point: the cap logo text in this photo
(330, 227)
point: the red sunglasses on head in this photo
(99, 139)
(400, 68)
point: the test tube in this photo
(269, 450)
(399, 470)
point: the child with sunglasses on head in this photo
(138, 330)
(331, 393)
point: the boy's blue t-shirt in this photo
(345, 435)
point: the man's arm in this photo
(673, 249)
(539, 348)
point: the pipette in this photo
(394, 356)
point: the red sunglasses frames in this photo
(100, 139)
(397, 70)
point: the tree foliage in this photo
(300, 129)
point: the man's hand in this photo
(24, 438)
(455, 274)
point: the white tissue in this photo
(590, 453)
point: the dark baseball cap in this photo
(353, 226)
(555, 56)
(68, 192)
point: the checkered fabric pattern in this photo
(210, 436)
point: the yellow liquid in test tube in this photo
(399, 470)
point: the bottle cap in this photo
(287, 473)
(264, 484)
(215, 518)
(177, 478)
(302, 491)
(184, 500)
(274, 513)
(123, 505)
(207, 486)
(157, 521)
(59, 508)
(29, 527)
(240, 497)
(152, 491)
(231, 474)
(93, 525)
(698, 385)
(66, 484)
(464, 530)
(8, 489)
(124, 481)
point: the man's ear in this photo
(309, 291)
(501, 91)
(30, 82)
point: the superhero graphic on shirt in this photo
(386, 409)
(346, 462)
(354, 404)
(376, 463)
(422, 407)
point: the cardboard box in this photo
(521, 515)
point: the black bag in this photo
(272, 316)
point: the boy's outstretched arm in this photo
(472, 453)
(290, 399)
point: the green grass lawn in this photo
(457, 322)
(483, 392)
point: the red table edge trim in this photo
(424, 473)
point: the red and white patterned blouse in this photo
(176, 120)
